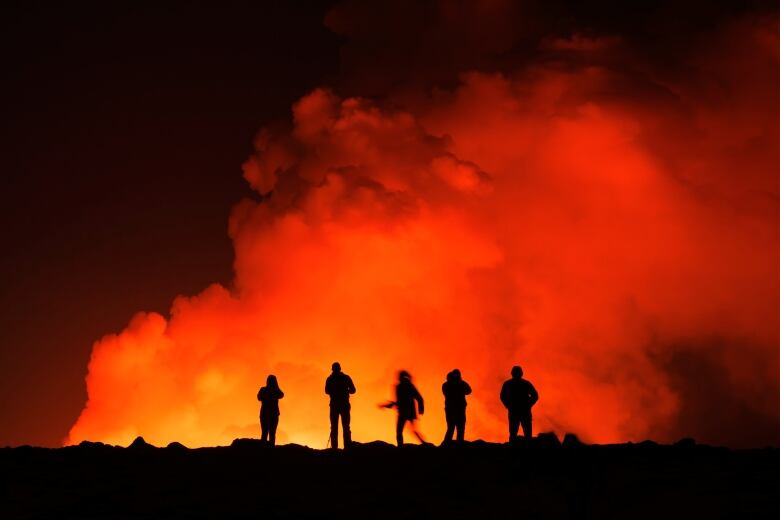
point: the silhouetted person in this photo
(455, 390)
(269, 396)
(339, 387)
(518, 396)
(407, 400)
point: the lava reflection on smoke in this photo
(550, 217)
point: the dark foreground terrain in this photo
(476, 481)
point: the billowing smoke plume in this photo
(574, 204)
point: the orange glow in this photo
(546, 219)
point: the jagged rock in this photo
(520, 442)
(547, 440)
(685, 442)
(570, 440)
(140, 444)
(411, 446)
(93, 444)
(293, 481)
(480, 444)
(648, 444)
(382, 445)
(248, 443)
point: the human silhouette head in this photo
(336, 367)
(517, 372)
(403, 375)
(456, 375)
(271, 381)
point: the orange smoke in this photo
(620, 243)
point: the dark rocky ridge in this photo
(480, 480)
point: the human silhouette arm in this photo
(505, 399)
(466, 388)
(327, 385)
(269, 394)
(419, 399)
(533, 394)
(351, 386)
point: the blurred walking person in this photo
(339, 387)
(269, 396)
(408, 401)
(455, 390)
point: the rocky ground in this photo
(478, 480)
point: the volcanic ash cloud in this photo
(615, 235)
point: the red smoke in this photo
(613, 230)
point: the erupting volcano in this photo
(608, 223)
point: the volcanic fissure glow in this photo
(545, 218)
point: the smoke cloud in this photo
(559, 198)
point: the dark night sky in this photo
(124, 129)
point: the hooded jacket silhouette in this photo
(455, 390)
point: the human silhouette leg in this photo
(527, 424)
(450, 426)
(399, 430)
(417, 433)
(334, 427)
(449, 433)
(514, 425)
(273, 422)
(345, 420)
(460, 425)
(263, 429)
